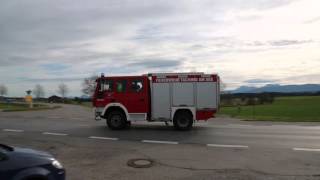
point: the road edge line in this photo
(227, 146)
(54, 134)
(306, 149)
(159, 142)
(13, 130)
(103, 138)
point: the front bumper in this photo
(58, 175)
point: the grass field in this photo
(87, 104)
(299, 108)
(23, 107)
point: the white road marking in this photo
(227, 146)
(306, 149)
(159, 142)
(55, 134)
(13, 130)
(104, 138)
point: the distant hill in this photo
(278, 88)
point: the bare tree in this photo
(89, 85)
(3, 90)
(38, 91)
(63, 90)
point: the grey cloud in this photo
(39, 21)
(256, 43)
(267, 4)
(15, 60)
(257, 4)
(282, 42)
(308, 78)
(156, 63)
(197, 47)
(228, 45)
(258, 81)
(62, 79)
(43, 21)
(117, 35)
(148, 31)
(288, 42)
(34, 27)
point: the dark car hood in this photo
(31, 152)
(24, 158)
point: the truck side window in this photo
(136, 85)
(121, 86)
(106, 85)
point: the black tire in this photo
(116, 120)
(183, 120)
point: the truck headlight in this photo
(55, 163)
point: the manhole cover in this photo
(140, 163)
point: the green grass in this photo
(84, 104)
(24, 107)
(299, 108)
(87, 104)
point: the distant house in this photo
(55, 99)
(11, 99)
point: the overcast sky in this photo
(247, 42)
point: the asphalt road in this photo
(222, 148)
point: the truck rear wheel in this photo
(183, 120)
(116, 120)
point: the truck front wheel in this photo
(183, 120)
(116, 120)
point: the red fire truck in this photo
(180, 98)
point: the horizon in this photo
(247, 43)
(225, 91)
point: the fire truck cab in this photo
(180, 98)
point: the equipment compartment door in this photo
(207, 95)
(161, 107)
(183, 94)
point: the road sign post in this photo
(28, 99)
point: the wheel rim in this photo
(116, 120)
(183, 122)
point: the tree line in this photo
(38, 91)
(244, 99)
(88, 88)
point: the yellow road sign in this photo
(28, 98)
